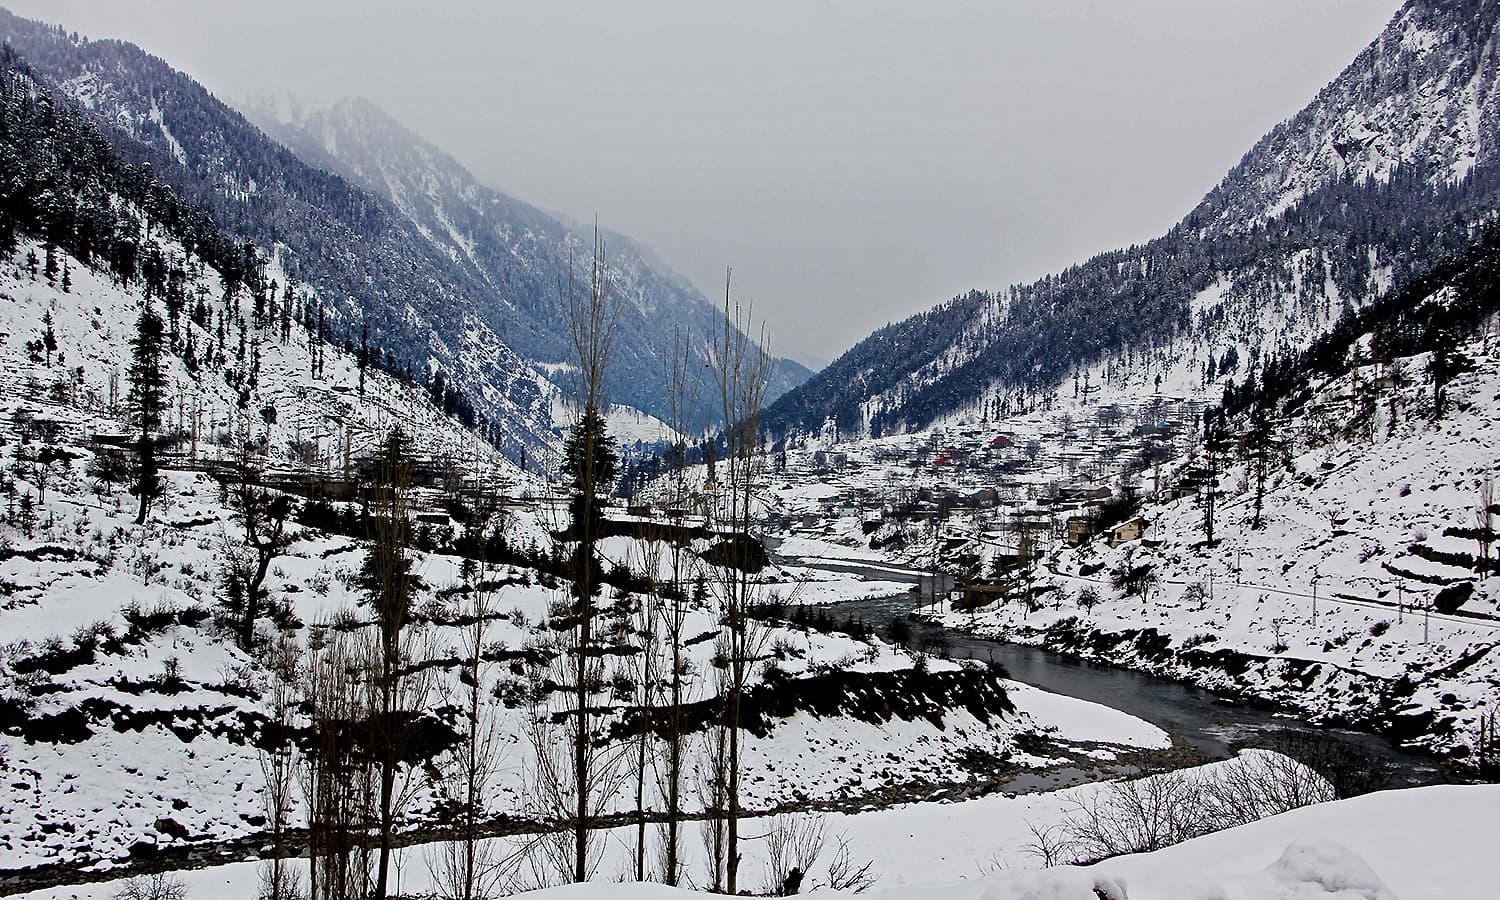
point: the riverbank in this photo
(1210, 717)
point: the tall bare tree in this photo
(682, 398)
(740, 369)
(590, 464)
(337, 781)
(466, 867)
(642, 671)
(389, 584)
(279, 760)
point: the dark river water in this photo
(1200, 719)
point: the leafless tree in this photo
(466, 867)
(1050, 844)
(158, 886)
(1484, 510)
(793, 845)
(396, 690)
(682, 401)
(642, 672)
(336, 775)
(1157, 811)
(262, 515)
(712, 788)
(591, 325)
(278, 764)
(1136, 816)
(847, 874)
(740, 369)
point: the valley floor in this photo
(1418, 844)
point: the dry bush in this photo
(158, 886)
(844, 874)
(1161, 810)
(793, 845)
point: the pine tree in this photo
(364, 355)
(49, 338)
(50, 269)
(1264, 453)
(147, 401)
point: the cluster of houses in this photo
(1004, 496)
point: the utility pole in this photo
(1400, 605)
(1316, 576)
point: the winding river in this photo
(1199, 719)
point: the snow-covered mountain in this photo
(512, 248)
(359, 262)
(1422, 95)
(1383, 175)
(449, 276)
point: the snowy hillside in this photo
(1374, 512)
(359, 262)
(1422, 95)
(131, 724)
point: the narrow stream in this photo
(1198, 718)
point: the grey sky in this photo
(854, 161)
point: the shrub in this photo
(160, 886)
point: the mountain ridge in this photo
(514, 247)
(1375, 202)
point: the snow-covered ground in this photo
(130, 717)
(1374, 511)
(1328, 607)
(1416, 844)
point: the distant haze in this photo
(855, 162)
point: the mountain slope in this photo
(365, 264)
(1358, 583)
(360, 260)
(513, 249)
(1384, 174)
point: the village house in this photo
(1133, 530)
(1080, 529)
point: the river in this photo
(1196, 718)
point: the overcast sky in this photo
(855, 162)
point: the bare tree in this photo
(740, 369)
(712, 788)
(278, 764)
(1484, 510)
(1050, 844)
(682, 401)
(466, 866)
(336, 773)
(1157, 811)
(262, 515)
(590, 462)
(573, 772)
(389, 584)
(847, 874)
(158, 886)
(642, 671)
(793, 845)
